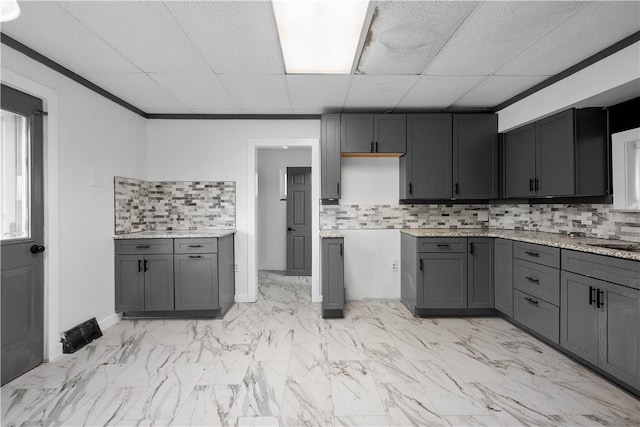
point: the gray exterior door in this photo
(480, 264)
(519, 162)
(442, 280)
(299, 221)
(503, 274)
(22, 232)
(554, 155)
(475, 154)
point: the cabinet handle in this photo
(530, 253)
(591, 299)
(536, 184)
(139, 265)
(338, 188)
(146, 265)
(142, 247)
(421, 265)
(194, 246)
(471, 248)
(600, 299)
(195, 256)
(443, 245)
(456, 188)
(372, 146)
(410, 188)
(341, 249)
(532, 280)
(530, 184)
(531, 300)
(376, 146)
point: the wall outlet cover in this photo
(483, 215)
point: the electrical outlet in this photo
(394, 266)
(236, 268)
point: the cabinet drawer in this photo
(539, 254)
(428, 244)
(144, 246)
(196, 246)
(537, 280)
(616, 270)
(540, 316)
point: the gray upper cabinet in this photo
(480, 281)
(562, 155)
(475, 156)
(426, 169)
(332, 277)
(450, 156)
(503, 274)
(373, 133)
(330, 156)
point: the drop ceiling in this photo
(223, 57)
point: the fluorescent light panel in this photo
(319, 36)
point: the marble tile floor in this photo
(276, 362)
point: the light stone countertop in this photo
(174, 234)
(538, 237)
(331, 234)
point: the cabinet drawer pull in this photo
(536, 184)
(341, 249)
(456, 188)
(142, 246)
(139, 265)
(532, 280)
(194, 246)
(531, 300)
(591, 298)
(146, 265)
(410, 188)
(443, 245)
(195, 256)
(530, 253)
(470, 248)
(338, 188)
(372, 146)
(376, 146)
(421, 265)
(530, 184)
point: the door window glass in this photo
(15, 165)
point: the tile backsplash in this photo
(596, 220)
(173, 205)
(358, 217)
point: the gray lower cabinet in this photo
(503, 275)
(446, 275)
(600, 324)
(174, 275)
(332, 277)
(330, 161)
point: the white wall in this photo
(272, 212)
(216, 150)
(87, 138)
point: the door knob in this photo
(291, 229)
(36, 249)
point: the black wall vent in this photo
(79, 336)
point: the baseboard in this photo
(242, 298)
(109, 321)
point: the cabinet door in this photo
(390, 133)
(519, 162)
(330, 156)
(129, 283)
(332, 274)
(555, 155)
(357, 133)
(196, 282)
(475, 156)
(429, 151)
(480, 281)
(443, 280)
(503, 275)
(579, 315)
(158, 282)
(620, 332)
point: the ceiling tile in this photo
(497, 89)
(233, 36)
(137, 89)
(382, 92)
(197, 91)
(255, 91)
(51, 31)
(145, 32)
(496, 32)
(592, 29)
(405, 36)
(318, 92)
(438, 92)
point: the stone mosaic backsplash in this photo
(359, 217)
(173, 205)
(596, 220)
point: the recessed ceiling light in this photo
(319, 36)
(9, 10)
